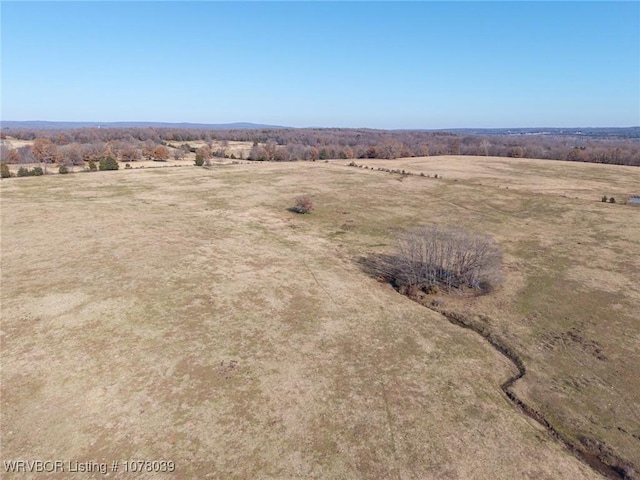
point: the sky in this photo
(369, 64)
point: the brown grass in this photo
(168, 314)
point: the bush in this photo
(108, 163)
(612, 200)
(92, 166)
(25, 172)
(303, 204)
(4, 170)
(604, 199)
(63, 169)
(199, 160)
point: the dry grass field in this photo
(185, 314)
(237, 148)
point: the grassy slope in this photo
(570, 303)
(184, 314)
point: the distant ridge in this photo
(45, 125)
(603, 132)
(593, 132)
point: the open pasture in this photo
(185, 314)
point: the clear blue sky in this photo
(342, 64)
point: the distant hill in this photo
(594, 132)
(44, 125)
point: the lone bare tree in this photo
(484, 144)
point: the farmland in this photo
(186, 314)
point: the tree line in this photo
(76, 146)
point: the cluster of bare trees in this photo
(44, 150)
(131, 144)
(428, 257)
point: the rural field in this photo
(186, 315)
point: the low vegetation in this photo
(312, 368)
(303, 204)
(33, 172)
(108, 163)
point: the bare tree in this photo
(26, 155)
(258, 153)
(270, 149)
(281, 154)
(160, 153)
(484, 144)
(9, 155)
(130, 154)
(148, 148)
(93, 151)
(45, 151)
(71, 154)
(204, 152)
(180, 152)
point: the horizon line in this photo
(261, 125)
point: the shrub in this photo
(303, 204)
(108, 163)
(612, 200)
(92, 166)
(63, 169)
(4, 170)
(199, 160)
(25, 172)
(128, 165)
(604, 199)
